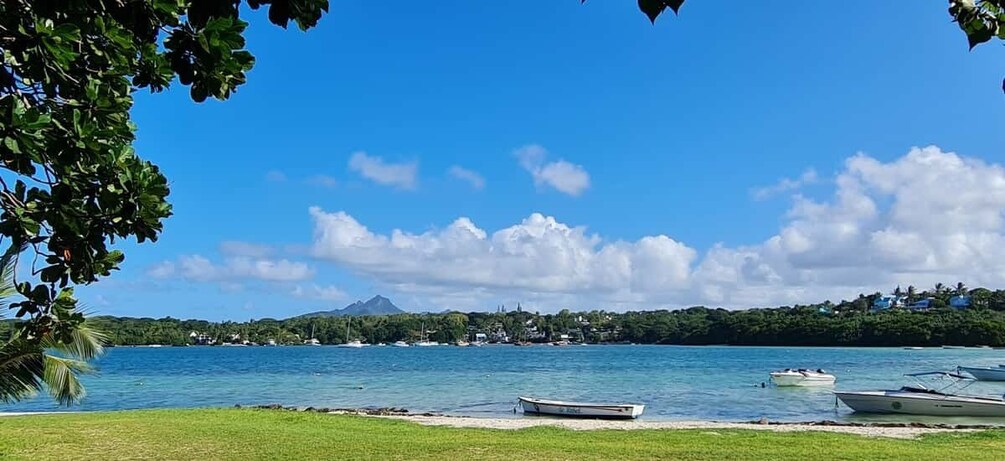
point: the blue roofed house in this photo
(922, 304)
(959, 302)
(883, 303)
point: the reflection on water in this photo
(682, 383)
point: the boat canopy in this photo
(939, 373)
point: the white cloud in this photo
(476, 180)
(161, 270)
(275, 176)
(200, 269)
(929, 216)
(238, 248)
(321, 180)
(785, 185)
(565, 177)
(322, 293)
(400, 175)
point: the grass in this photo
(241, 434)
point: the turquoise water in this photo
(683, 383)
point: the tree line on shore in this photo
(848, 323)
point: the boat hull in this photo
(580, 410)
(896, 402)
(985, 374)
(801, 380)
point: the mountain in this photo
(377, 305)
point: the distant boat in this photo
(536, 406)
(914, 348)
(399, 344)
(985, 373)
(423, 342)
(480, 344)
(953, 347)
(354, 344)
(313, 341)
(921, 400)
(802, 378)
(463, 344)
(522, 343)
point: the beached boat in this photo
(536, 406)
(985, 373)
(921, 400)
(802, 377)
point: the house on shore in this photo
(960, 302)
(884, 303)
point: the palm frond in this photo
(61, 379)
(85, 343)
(8, 264)
(22, 368)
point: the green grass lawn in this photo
(261, 434)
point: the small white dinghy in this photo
(802, 377)
(533, 406)
(984, 373)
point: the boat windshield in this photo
(956, 382)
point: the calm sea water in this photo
(683, 383)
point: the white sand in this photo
(592, 424)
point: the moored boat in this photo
(921, 400)
(536, 406)
(802, 377)
(985, 373)
(399, 344)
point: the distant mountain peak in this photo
(377, 305)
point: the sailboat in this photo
(313, 341)
(354, 344)
(424, 342)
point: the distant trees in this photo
(847, 323)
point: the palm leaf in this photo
(61, 379)
(22, 368)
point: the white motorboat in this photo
(921, 400)
(985, 373)
(399, 344)
(535, 406)
(802, 377)
(914, 348)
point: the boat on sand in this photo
(535, 406)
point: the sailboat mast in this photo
(348, 322)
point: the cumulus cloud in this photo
(929, 216)
(565, 177)
(200, 269)
(399, 175)
(318, 292)
(785, 185)
(476, 180)
(321, 180)
(275, 176)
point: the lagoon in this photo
(676, 382)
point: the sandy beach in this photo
(593, 424)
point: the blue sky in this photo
(711, 159)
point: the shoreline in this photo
(905, 430)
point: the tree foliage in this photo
(847, 323)
(72, 183)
